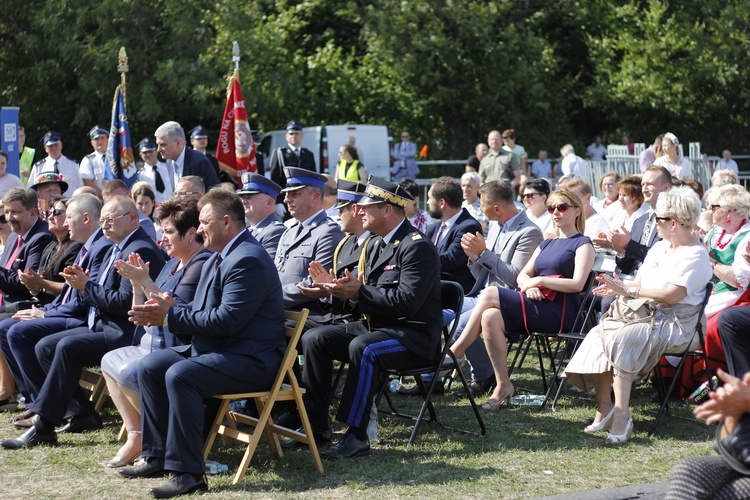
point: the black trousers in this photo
(734, 330)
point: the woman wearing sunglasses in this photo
(549, 293)
(674, 275)
(535, 195)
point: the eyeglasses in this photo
(562, 208)
(56, 212)
(185, 193)
(404, 136)
(714, 208)
(111, 220)
(662, 218)
(529, 195)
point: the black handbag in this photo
(735, 448)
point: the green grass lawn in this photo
(524, 454)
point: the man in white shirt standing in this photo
(726, 162)
(572, 164)
(93, 165)
(57, 163)
(154, 172)
(596, 150)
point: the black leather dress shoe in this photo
(30, 438)
(414, 391)
(321, 438)
(289, 419)
(478, 388)
(147, 467)
(180, 484)
(78, 425)
(348, 447)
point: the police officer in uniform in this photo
(397, 292)
(93, 165)
(199, 141)
(154, 172)
(57, 163)
(291, 155)
(313, 236)
(258, 196)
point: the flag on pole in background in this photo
(119, 151)
(235, 149)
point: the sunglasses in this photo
(56, 212)
(562, 208)
(529, 195)
(714, 208)
(3, 220)
(663, 218)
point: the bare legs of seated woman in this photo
(487, 319)
(128, 403)
(7, 386)
(617, 421)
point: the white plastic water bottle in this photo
(213, 467)
(395, 385)
(372, 425)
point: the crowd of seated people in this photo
(201, 313)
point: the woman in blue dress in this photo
(549, 293)
(179, 278)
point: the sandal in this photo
(118, 461)
(621, 438)
(604, 424)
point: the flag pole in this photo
(122, 68)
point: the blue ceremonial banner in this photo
(119, 151)
(9, 137)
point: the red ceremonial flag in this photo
(235, 148)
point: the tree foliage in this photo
(556, 71)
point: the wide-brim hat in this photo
(256, 183)
(46, 178)
(298, 178)
(382, 191)
(348, 192)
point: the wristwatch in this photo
(633, 292)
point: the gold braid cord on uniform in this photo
(361, 271)
(337, 251)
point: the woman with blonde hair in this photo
(549, 293)
(674, 277)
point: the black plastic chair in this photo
(699, 353)
(452, 296)
(543, 341)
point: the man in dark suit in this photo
(238, 343)
(313, 236)
(25, 245)
(181, 160)
(495, 261)
(199, 141)
(258, 196)
(444, 203)
(398, 295)
(291, 155)
(63, 355)
(20, 334)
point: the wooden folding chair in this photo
(92, 380)
(285, 388)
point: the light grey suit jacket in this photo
(512, 250)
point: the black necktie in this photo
(158, 180)
(57, 171)
(217, 263)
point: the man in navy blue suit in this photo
(181, 160)
(108, 297)
(238, 343)
(25, 245)
(20, 334)
(444, 203)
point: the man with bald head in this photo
(109, 297)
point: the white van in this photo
(373, 142)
